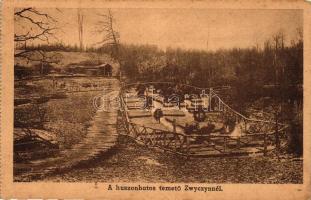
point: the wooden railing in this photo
(184, 144)
(250, 126)
(258, 136)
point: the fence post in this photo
(210, 99)
(277, 139)
(146, 140)
(164, 141)
(218, 104)
(209, 139)
(225, 143)
(175, 135)
(188, 147)
(174, 125)
(127, 126)
(265, 144)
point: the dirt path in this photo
(101, 137)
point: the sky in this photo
(203, 29)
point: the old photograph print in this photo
(158, 95)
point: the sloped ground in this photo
(131, 163)
(100, 136)
(66, 58)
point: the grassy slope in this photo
(67, 118)
(67, 123)
(70, 117)
(67, 58)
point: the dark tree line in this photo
(274, 72)
(273, 66)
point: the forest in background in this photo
(269, 78)
(263, 81)
(272, 71)
(274, 64)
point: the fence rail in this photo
(259, 136)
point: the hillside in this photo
(65, 59)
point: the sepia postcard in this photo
(155, 100)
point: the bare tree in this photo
(279, 82)
(278, 41)
(80, 27)
(105, 26)
(110, 37)
(33, 26)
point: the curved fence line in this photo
(244, 117)
(181, 143)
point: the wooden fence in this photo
(259, 136)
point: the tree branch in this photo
(41, 22)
